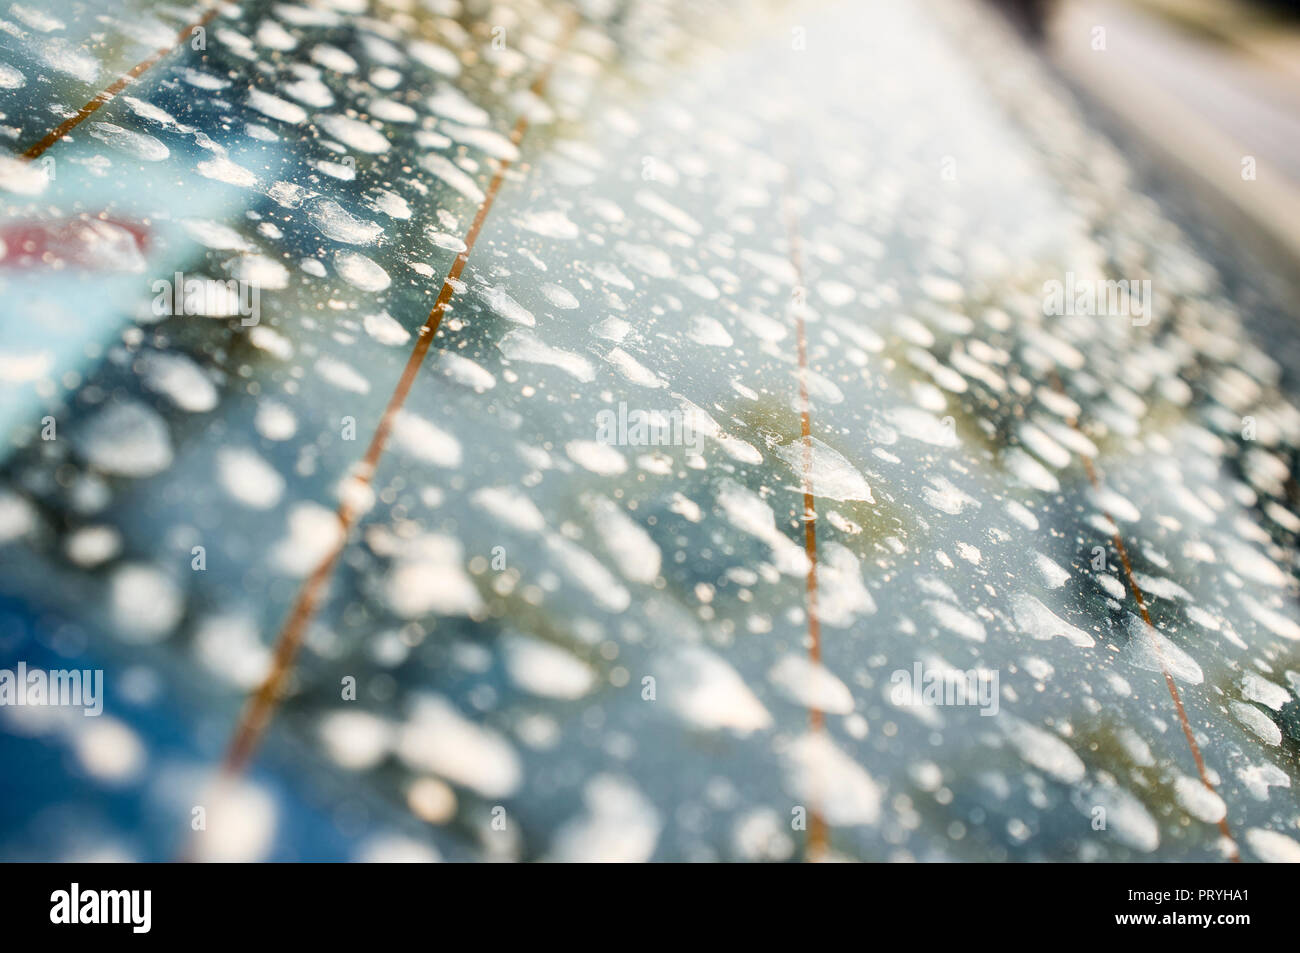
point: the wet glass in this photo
(788, 474)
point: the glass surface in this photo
(565, 640)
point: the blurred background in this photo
(1202, 83)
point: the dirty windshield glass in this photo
(451, 429)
